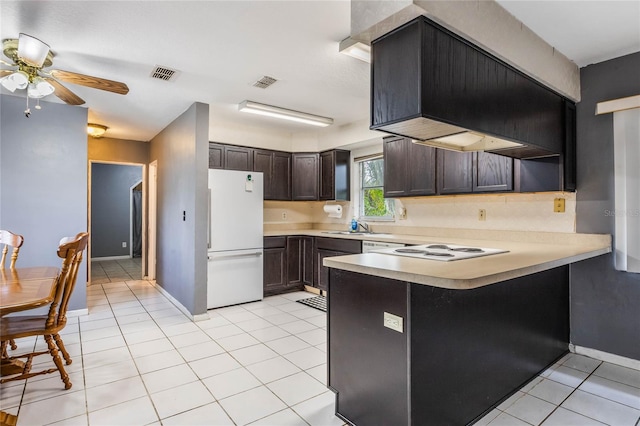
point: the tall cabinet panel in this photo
(334, 175)
(305, 177)
(216, 156)
(263, 162)
(492, 173)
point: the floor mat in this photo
(318, 302)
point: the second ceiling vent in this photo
(264, 82)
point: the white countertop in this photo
(523, 258)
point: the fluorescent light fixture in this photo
(355, 49)
(96, 130)
(469, 141)
(32, 51)
(285, 114)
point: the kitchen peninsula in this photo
(415, 341)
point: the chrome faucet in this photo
(364, 226)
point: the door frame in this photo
(144, 211)
(152, 215)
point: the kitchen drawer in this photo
(337, 244)
(275, 242)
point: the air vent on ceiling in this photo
(164, 73)
(264, 82)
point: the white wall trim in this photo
(100, 259)
(605, 356)
(194, 318)
(77, 313)
(618, 105)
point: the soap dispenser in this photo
(354, 225)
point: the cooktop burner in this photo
(442, 252)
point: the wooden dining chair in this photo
(49, 325)
(9, 239)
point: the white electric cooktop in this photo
(441, 252)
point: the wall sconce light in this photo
(355, 49)
(96, 130)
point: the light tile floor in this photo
(138, 360)
(106, 271)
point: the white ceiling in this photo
(222, 47)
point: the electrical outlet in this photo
(558, 205)
(284, 215)
(402, 213)
(482, 215)
(393, 322)
(124, 244)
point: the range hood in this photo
(432, 86)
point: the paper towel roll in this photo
(334, 210)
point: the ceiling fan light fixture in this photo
(17, 80)
(32, 51)
(42, 87)
(96, 130)
(285, 114)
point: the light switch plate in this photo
(394, 322)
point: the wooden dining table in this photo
(23, 289)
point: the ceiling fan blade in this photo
(65, 94)
(6, 72)
(89, 81)
(7, 63)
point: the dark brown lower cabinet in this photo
(299, 262)
(328, 247)
(460, 352)
(274, 265)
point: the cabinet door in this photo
(322, 281)
(295, 259)
(305, 177)
(454, 172)
(492, 172)
(274, 270)
(395, 169)
(216, 156)
(238, 158)
(263, 162)
(421, 170)
(327, 175)
(281, 176)
(307, 261)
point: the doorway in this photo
(112, 222)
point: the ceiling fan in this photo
(31, 56)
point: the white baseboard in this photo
(605, 356)
(194, 318)
(100, 259)
(77, 313)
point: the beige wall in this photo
(118, 150)
(531, 212)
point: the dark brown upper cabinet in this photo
(216, 155)
(409, 168)
(334, 175)
(304, 177)
(238, 158)
(455, 174)
(423, 75)
(492, 173)
(467, 172)
(276, 168)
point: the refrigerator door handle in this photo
(209, 221)
(227, 255)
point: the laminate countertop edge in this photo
(458, 275)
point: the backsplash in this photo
(510, 212)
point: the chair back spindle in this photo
(9, 239)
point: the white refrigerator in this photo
(235, 238)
